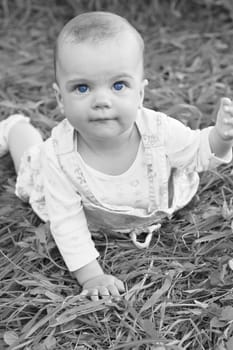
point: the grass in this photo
(179, 291)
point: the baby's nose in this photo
(102, 99)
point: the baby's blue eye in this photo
(82, 88)
(119, 85)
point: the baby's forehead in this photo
(97, 30)
(98, 39)
(94, 30)
(89, 57)
(120, 40)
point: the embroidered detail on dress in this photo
(150, 140)
(79, 175)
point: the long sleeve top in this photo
(66, 192)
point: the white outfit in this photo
(78, 199)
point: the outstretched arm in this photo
(221, 136)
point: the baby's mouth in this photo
(102, 119)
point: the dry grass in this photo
(180, 289)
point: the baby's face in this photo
(101, 85)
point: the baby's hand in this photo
(224, 122)
(103, 287)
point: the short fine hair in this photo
(94, 26)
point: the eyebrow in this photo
(85, 80)
(123, 75)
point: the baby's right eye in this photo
(81, 88)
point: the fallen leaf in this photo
(227, 313)
(10, 337)
(216, 323)
(50, 342)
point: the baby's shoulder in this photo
(152, 120)
(61, 130)
(61, 139)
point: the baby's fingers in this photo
(225, 101)
(93, 294)
(84, 293)
(228, 109)
(104, 292)
(114, 292)
(229, 133)
(120, 285)
(96, 293)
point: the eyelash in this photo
(120, 83)
(78, 86)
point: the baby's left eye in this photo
(82, 88)
(119, 85)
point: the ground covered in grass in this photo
(179, 291)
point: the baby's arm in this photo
(96, 284)
(70, 231)
(221, 136)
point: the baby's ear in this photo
(145, 82)
(142, 91)
(58, 97)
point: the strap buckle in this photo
(146, 243)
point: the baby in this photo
(111, 164)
